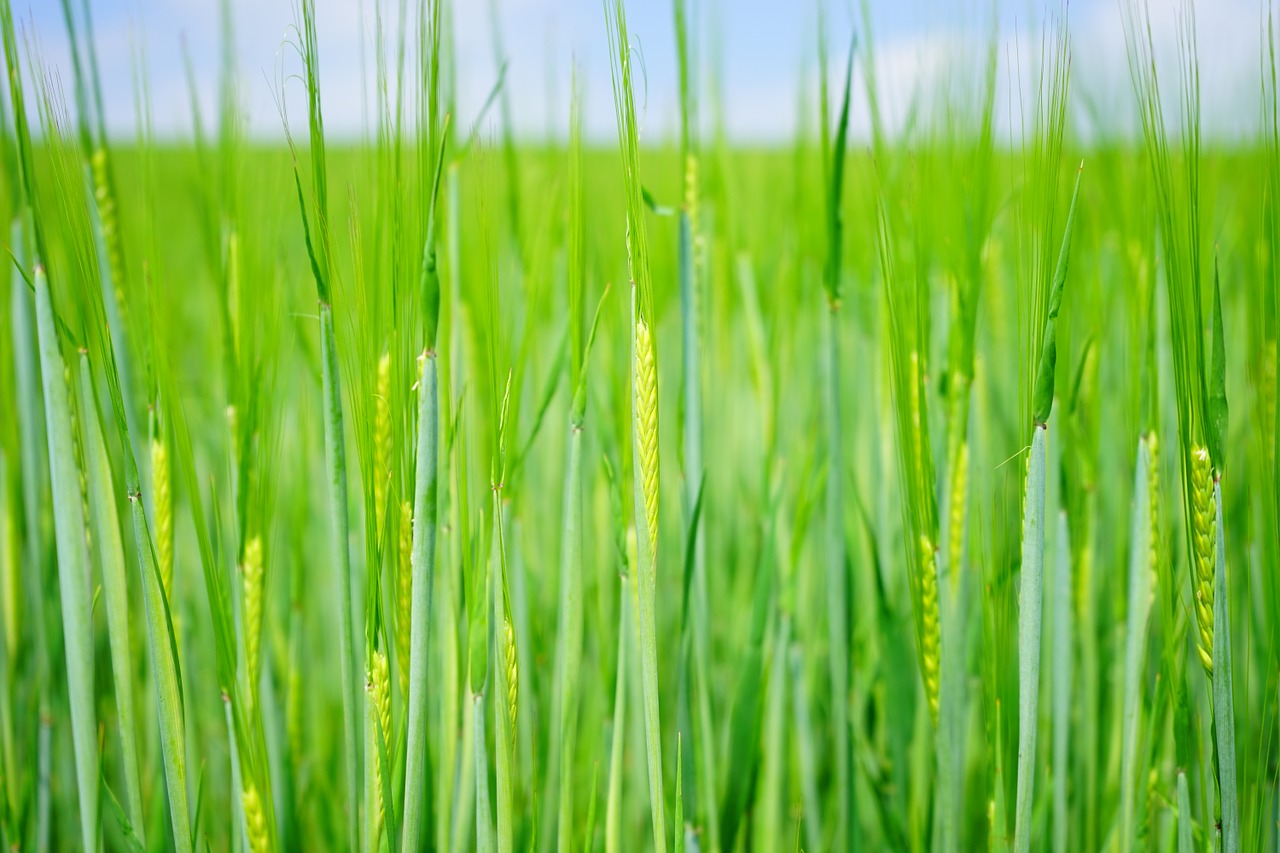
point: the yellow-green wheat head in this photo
(1153, 499)
(381, 442)
(233, 291)
(293, 711)
(12, 582)
(1202, 538)
(646, 416)
(513, 671)
(255, 819)
(404, 594)
(1082, 578)
(959, 512)
(957, 396)
(691, 186)
(691, 206)
(110, 225)
(164, 513)
(930, 625)
(380, 704)
(917, 443)
(1267, 394)
(252, 572)
(380, 689)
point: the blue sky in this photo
(765, 50)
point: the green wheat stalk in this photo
(644, 430)
(105, 534)
(316, 231)
(426, 480)
(840, 624)
(73, 561)
(1199, 380)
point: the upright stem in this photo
(446, 790)
(504, 709)
(837, 593)
(1135, 637)
(240, 832)
(1090, 676)
(164, 669)
(484, 813)
(649, 687)
(105, 526)
(701, 767)
(34, 459)
(945, 816)
(953, 596)
(73, 567)
(1062, 679)
(571, 650)
(804, 747)
(336, 460)
(464, 803)
(775, 744)
(1224, 720)
(646, 463)
(424, 551)
(10, 601)
(1029, 614)
(613, 804)
(1185, 844)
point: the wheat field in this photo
(908, 487)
